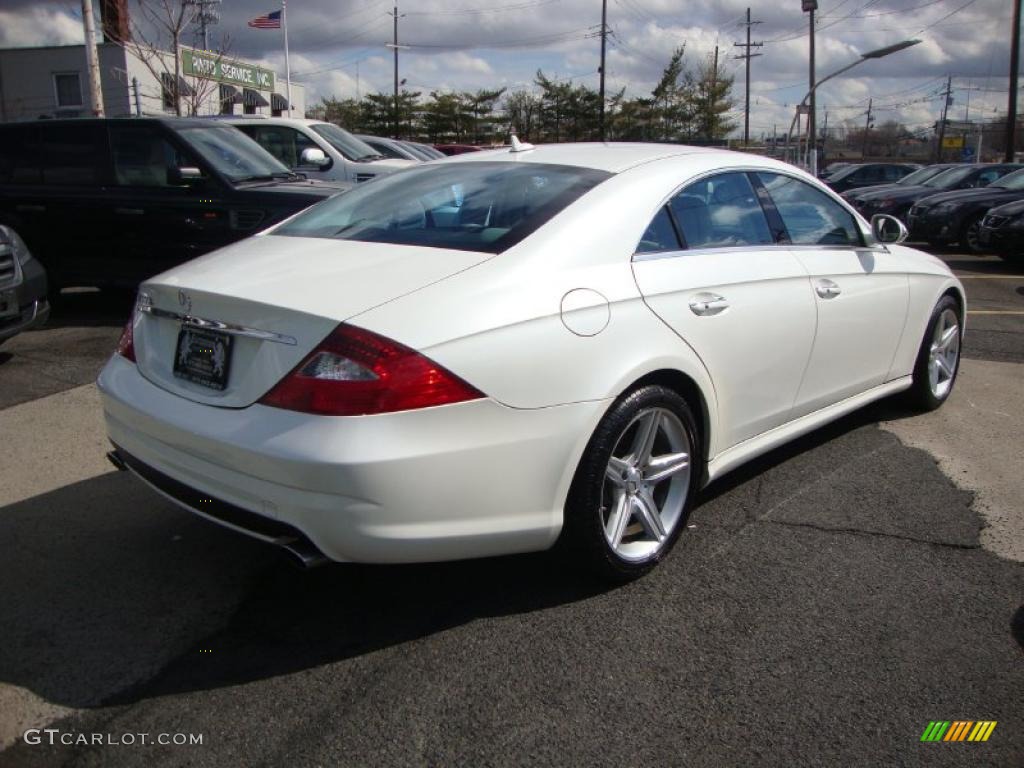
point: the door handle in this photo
(129, 211)
(827, 289)
(708, 304)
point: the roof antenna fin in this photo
(520, 146)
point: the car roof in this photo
(612, 157)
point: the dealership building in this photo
(53, 81)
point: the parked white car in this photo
(321, 150)
(514, 347)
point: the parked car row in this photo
(947, 204)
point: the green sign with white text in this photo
(213, 67)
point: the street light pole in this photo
(810, 6)
(876, 54)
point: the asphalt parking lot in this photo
(828, 601)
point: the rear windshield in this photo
(480, 206)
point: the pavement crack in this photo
(879, 534)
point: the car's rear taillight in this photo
(355, 372)
(126, 344)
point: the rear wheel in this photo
(938, 360)
(632, 491)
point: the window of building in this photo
(67, 87)
(168, 92)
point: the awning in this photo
(253, 98)
(167, 79)
(229, 94)
(278, 102)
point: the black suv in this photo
(112, 202)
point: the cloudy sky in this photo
(337, 47)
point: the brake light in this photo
(355, 372)
(126, 344)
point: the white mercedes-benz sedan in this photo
(514, 348)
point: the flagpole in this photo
(287, 60)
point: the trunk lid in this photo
(276, 298)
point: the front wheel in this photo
(938, 359)
(632, 491)
(970, 237)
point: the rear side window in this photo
(660, 235)
(73, 154)
(21, 159)
(721, 211)
(480, 206)
(811, 217)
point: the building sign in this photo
(952, 142)
(213, 67)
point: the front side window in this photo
(811, 217)
(143, 157)
(68, 87)
(721, 211)
(286, 144)
(480, 206)
(233, 153)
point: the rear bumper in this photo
(468, 480)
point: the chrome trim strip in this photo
(656, 255)
(216, 325)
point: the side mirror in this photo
(186, 175)
(313, 156)
(888, 229)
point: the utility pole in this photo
(92, 60)
(604, 42)
(947, 99)
(1011, 108)
(811, 6)
(748, 56)
(867, 127)
(395, 46)
(710, 117)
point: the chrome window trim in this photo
(869, 238)
(203, 323)
(657, 255)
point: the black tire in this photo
(922, 395)
(969, 235)
(583, 534)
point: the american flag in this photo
(269, 21)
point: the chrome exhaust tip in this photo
(303, 554)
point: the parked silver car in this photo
(23, 303)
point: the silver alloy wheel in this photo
(944, 354)
(646, 484)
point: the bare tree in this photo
(156, 32)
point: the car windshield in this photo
(1014, 181)
(233, 153)
(949, 178)
(484, 206)
(343, 141)
(919, 176)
